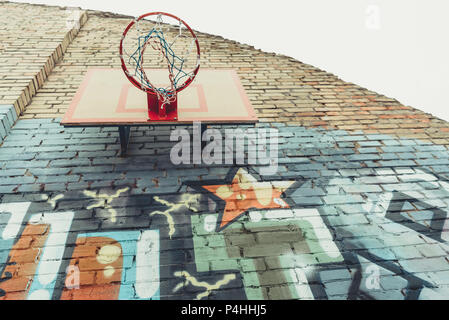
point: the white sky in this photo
(399, 48)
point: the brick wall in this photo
(363, 213)
(33, 40)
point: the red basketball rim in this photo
(137, 83)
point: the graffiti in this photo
(14, 221)
(51, 256)
(269, 240)
(103, 268)
(53, 201)
(315, 231)
(34, 259)
(104, 201)
(272, 252)
(58, 224)
(185, 201)
(11, 225)
(202, 284)
(244, 192)
(116, 265)
(24, 262)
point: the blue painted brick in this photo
(12, 172)
(306, 167)
(59, 179)
(7, 189)
(430, 148)
(346, 145)
(15, 156)
(307, 201)
(338, 287)
(342, 199)
(26, 164)
(363, 157)
(430, 162)
(410, 156)
(3, 132)
(86, 147)
(369, 143)
(440, 169)
(340, 181)
(351, 208)
(49, 171)
(391, 142)
(349, 172)
(77, 186)
(425, 265)
(307, 174)
(59, 141)
(55, 155)
(345, 165)
(401, 187)
(100, 176)
(11, 150)
(328, 173)
(45, 149)
(17, 180)
(29, 188)
(361, 188)
(350, 138)
(398, 163)
(376, 180)
(403, 170)
(93, 154)
(18, 141)
(70, 163)
(389, 156)
(329, 158)
(60, 187)
(406, 142)
(10, 113)
(384, 171)
(341, 151)
(27, 124)
(440, 154)
(334, 274)
(305, 192)
(367, 150)
(385, 138)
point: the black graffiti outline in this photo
(7, 276)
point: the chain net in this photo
(165, 43)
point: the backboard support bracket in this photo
(124, 134)
(158, 111)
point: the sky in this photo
(398, 48)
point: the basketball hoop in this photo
(154, 43)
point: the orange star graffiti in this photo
(245, 192)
